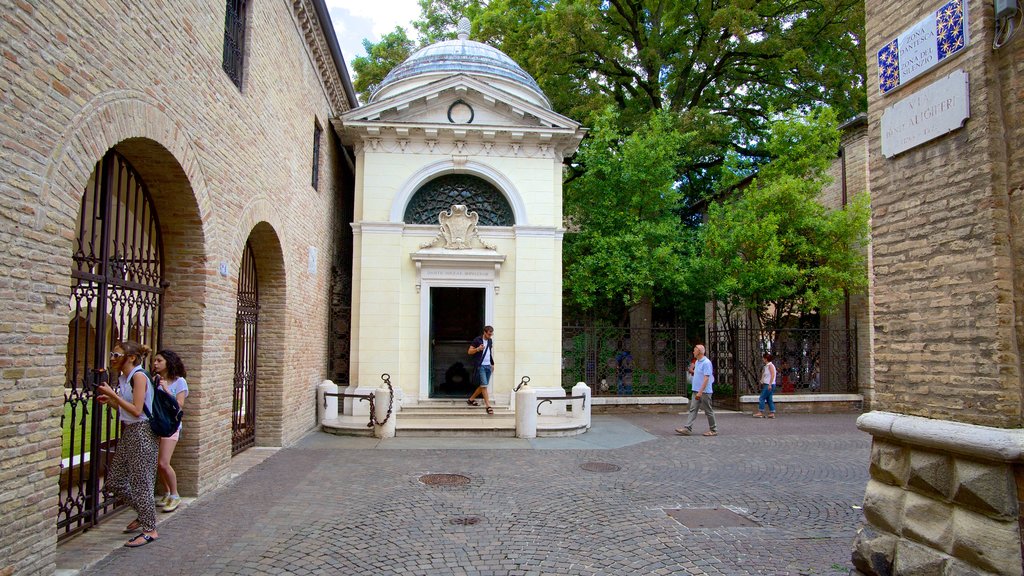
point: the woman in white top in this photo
(132, 472)
(170, 375)
(767, 388)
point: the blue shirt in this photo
(702, 368)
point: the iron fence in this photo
(626, 361)
(807, 360)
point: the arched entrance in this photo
(247, 312)
(117, 294)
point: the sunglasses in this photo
(116, 355)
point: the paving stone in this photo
(331, 506)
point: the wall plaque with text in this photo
(934, 110)
(921, 47)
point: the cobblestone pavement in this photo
(336, 505)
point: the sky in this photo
(355, 20)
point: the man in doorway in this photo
(481, 349)
(703, 388)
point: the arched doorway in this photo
(247, 311)
(117, 293)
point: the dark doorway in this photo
(456, 317)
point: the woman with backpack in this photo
(170, 375)
(132, 472)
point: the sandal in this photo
(132, 527)
(146, 539)
(772, 415)
(472, 402)
(758, 415)
(490, 410)
(710, 433)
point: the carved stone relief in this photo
(458, 230)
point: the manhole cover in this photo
(599, 467)
(709, 518)
(444, 480)
(465, 520)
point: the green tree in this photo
(628, 248)
(772, 247)
(381, 57)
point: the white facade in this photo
(428, 125)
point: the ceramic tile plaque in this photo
(934, 110)
(921, 47)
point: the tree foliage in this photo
(708, 76)
(772, 247)
(381, 57)
(628, 246)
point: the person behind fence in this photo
(170, 375)
(133, 470)
(703, 389)
(768, 374)
(624, 370)
(483, 363)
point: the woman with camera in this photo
(133, 470)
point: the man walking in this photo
(483, 363)
(703, 388)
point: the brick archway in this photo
(158, 148)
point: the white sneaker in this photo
(162, 501)
(172, 503)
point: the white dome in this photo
(461, 56)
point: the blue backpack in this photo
(166, 415)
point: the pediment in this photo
(459, 101)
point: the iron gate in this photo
(808, 360)
(243, 413)
(117, 272)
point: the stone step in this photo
(498, 425)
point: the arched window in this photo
(476, 193)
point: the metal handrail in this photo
(549, 399)
(369, 398)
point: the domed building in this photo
(457, 224)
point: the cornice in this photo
(513, 143)
(313, 33)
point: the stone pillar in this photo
(526, 412)
(581, 408)
(328, 405)
(381, 402)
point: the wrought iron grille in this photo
(234, 40)
(441, 193)
(341, 322)
(807, 360)
(117, 271)
(625, 361)
(243, 406)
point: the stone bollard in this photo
(526, 412)
(381, 402)
(581, 408)
(328, 404)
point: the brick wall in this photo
(79, 78)
(854, 158)
(946, 288)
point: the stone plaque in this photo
(925, 115)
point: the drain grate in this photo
(444, 479)
(465, 520)
(709, 518)
(599, 467)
